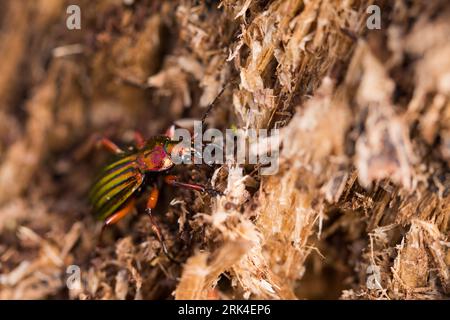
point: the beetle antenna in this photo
(212, 104)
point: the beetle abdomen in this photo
(115, 185)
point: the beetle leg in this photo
(109, 145)
(172, 180)
(114, 218)
(96, 140)
(151, 204)
(139, 139)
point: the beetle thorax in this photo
(155, 159)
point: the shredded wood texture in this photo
(360, 205)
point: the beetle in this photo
(115, 190)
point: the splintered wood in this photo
(359, 207)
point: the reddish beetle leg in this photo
(109, 145)
(151, 204)
(139, 140)
(116, 217)
(172, 180)
(112, 147)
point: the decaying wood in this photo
(360, 204)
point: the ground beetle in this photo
(114, 193)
